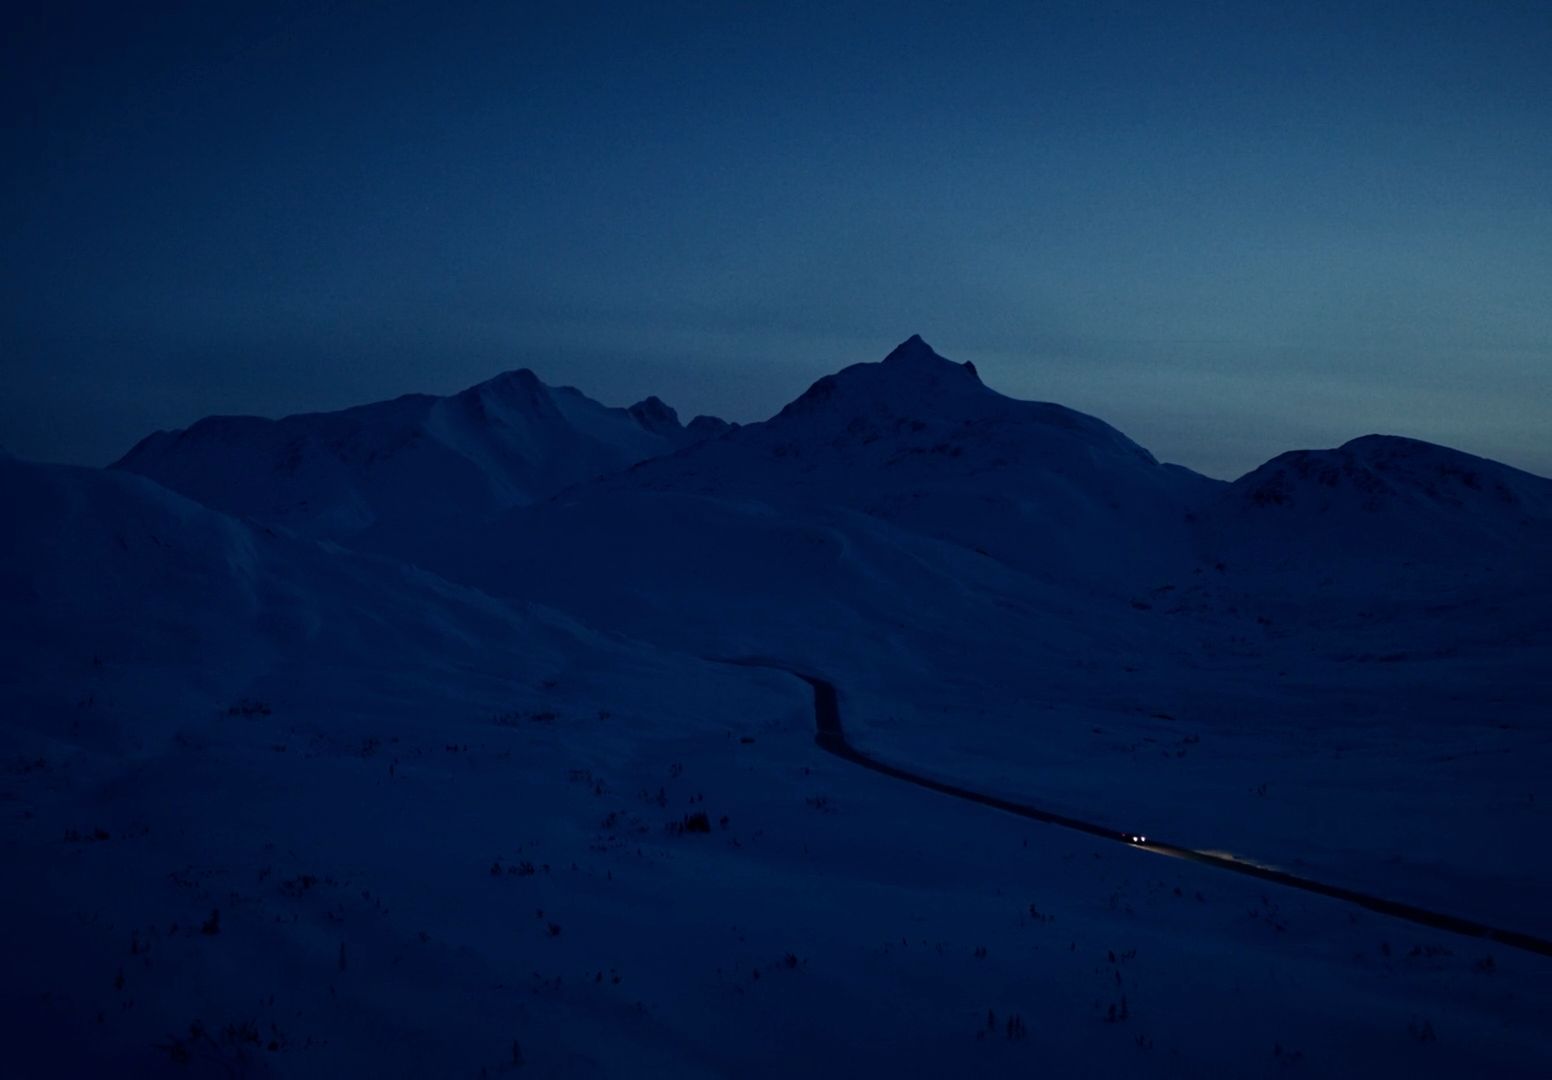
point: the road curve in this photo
(831, 737)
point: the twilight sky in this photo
(1230, 229)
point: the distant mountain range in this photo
(894, 509)
(505, 442)
(915, 442)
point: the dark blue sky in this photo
(1228, 228)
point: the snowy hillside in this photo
(504, 442)
(277, 809)
(129, 610)
(1382, 503)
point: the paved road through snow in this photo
(831, 737)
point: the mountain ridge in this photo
(915, 439)
(505, 441)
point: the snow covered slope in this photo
(129, 611)
(504, 442)
(274, 808)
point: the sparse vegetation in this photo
(695, 822)
(229, 1050)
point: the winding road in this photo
(831, 737)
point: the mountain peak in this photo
(913, 379)
(912, 349)
(914, 352)
(517, 377)
(656, 415)
(705, 426)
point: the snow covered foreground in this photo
(428, 805)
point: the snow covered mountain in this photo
(900, 505)
(905, 503)
(1381, 504)
(504, 442)
(921, 442)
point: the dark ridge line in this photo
(831, 738)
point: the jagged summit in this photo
(513, 397)
(918, 394)
(913, 380)
(911, 349)
(915, 352)
(918, 440)
(657, 416)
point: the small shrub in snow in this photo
(697, 822)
